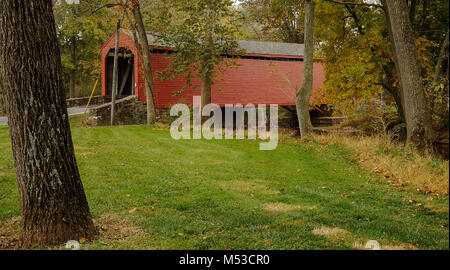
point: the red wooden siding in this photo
(254, 81)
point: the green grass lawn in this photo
(148, 191)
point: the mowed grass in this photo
(148, 191)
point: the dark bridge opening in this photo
(126, 73)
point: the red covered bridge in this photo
(269, 73)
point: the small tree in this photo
(141, 43)
(203, 35)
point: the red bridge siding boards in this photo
(255, 81)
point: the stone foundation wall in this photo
(82, 101)
(129, 111)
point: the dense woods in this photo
(344, 32)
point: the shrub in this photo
(379, 121)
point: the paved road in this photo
(71, 111)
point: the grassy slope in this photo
(202, 194)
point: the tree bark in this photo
(417, 113)
(145, 51)
(115, 82)
(303, 96)
(398, 95)
(53, 202)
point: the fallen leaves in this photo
(132, 210)
(115, 228)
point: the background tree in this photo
(359, 63)
(274, 20)
(201, 33)
(304, 94)
(142, 44)
(82, 29)
(54, 206)
(417, 113)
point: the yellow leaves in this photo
(423, 46)
(132, 210)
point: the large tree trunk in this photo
(72, 70)
(304, 94)
(145, 51)
(417, 113)
(54, 206)
(115, 82)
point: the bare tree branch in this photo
(356, 4)
(105, 6)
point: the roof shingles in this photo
(255, 47)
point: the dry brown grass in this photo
(248, 186)
(115, 228)
(10, 233)
(330, 232)
(295, 223)
(335, 233)
(284, 207)
(397, 164)
(401, 246)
